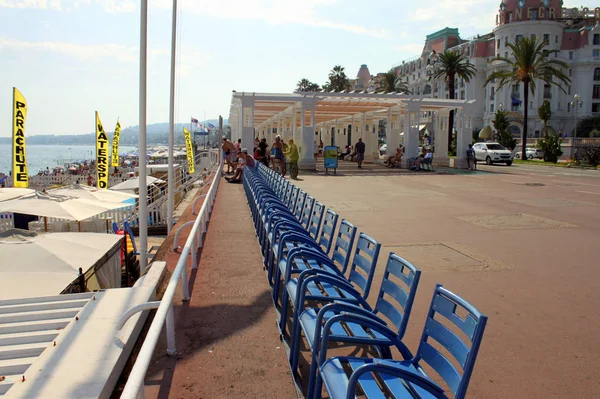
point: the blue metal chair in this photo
(316, 284)
(394, 303)
(407, 378)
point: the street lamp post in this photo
(576, 103)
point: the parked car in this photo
(382, 149)
(531, 153)
(493, 153)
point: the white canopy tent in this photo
(8, 193)
(134, 182)
(40, 265)
(91, 193)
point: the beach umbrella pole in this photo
(171, 174)
(143, 188)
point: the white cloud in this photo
(110, 6)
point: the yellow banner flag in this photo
(115, 145)
(189, 149)
(101, 155)
(19, 164)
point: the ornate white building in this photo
(574, 32)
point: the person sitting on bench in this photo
(393, 159)
(244, 160)
(424, 158)
(346, 152)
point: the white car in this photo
(493, 153)
(531, 153)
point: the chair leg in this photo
(295, 346)
(313, 375)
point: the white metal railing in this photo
(135, 382)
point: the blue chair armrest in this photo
(368, 322)
(393, 368)
(324, 277)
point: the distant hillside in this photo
(156, 133)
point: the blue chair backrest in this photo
(128, 230)
(448, 309)
(328, 231)
(293, 198)
(307, 211)
(364, 262)
(115, 227)
(397, 292)
(300, 204)
(315, 219)
(343, 244)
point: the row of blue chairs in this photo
(310, 270)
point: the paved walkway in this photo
(227, 341)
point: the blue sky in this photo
(72, 57)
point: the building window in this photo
(505, 41)
(498, 43)
(570, 55)
(506, 54)
(568, 106)
(518, 39)
(570, 72)
(547, 91)
(492, 93)
(556, 39)
(595, 107)
(546, 38)
(597, 74)
(491, 107)
(595, 53)
(596, 39)
(596, 92)
(533, 35)
(569, 90)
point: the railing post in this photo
(194, 250)
(171, 349)
(140, 394)
(185, 285)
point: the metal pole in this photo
(574, 131)
(143, 188)
(171, 173)
(220, 151)
(171, 348)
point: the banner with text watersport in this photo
(115, 145)
(189, 149)
(19, 164)
(101, 155)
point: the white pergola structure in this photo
(308, 117)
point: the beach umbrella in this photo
(9, 193)
(134, 183)
(91, 193)
(45, 264)
(58, 206)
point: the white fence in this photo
(134, 387)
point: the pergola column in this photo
(392, 133)
(370, 140)
(411, 134)
(247, 130)
(306, 143)
(440, 155)
(464, 137)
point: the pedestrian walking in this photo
(360, 152)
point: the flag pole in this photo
(171, 175)
(143, 188)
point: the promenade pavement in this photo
(227, 340)
(520, 245)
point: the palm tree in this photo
(530, 62)
(453, 65)
(545, 113)
(391, 82)
(338, 81)
(305, 85)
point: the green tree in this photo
(453, 65)
(338, 80)
(501, 124)
(545, 113)
(305, 85)
(530, 62)
(587, 125)
(391, 82)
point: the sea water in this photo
(41, 156)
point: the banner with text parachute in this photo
(115, 145)
(19, 163)
(101, 155)
(190, 150)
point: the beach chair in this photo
(345, 376)
(151, 252)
